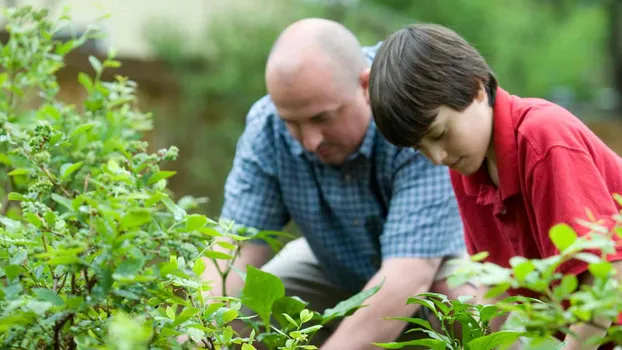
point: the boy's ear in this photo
(364, 82)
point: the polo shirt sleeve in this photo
(423, 219)
(252, 195)
(563, 183)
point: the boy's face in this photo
(460, 140)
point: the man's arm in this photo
(598, 327)
(367, 325)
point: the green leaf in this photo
(136, 217)
(20, 171)
(218, 255)
(96, 64)
(569, 284)
(62, 200)
(185, 315)
(195, 221)
(563, 236)
(523, 269)
(4, 76)
(38, 307)
(178, 212)
(601, 269)
(81, 129)
(86, 81)
(129, 267)
(12, 271)
(68, 168)
(14, 196)
(170, 313)
(497, 290)
(199, 267)
(226, 245)
(290, 320)
(479, 256)
(348, 306)
(494, 340)
(260, 292)
(288, 306)
(49, 296)
(64, 48)
(160, 175)
(432, 344)
(310, 329)
(112, 63)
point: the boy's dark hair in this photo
(417, 70)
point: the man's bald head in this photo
(315, 44)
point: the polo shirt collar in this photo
(505, 120)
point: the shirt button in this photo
(503, 211)
(348, 177)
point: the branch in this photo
(57, 328)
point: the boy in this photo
(518, 165)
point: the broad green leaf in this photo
(14, 196)
(601, 269)
(348, 306)
(12, 271)
(81, 129)
(10, 225)
(68, 168)
(19, 171)
(479, 256)
(135, 217)
(494, 340)
(4, 76)
(523, 269)
(199, 267)
(563, 236)
(248, 347)
(160, 175)
(48, 295)
(218, 255)
(569, 284)
(64, 260)
(185, 315)
(260, 292)
(33, 219)
(432, 344)
(288, 306)
(38, 307)
(64, 201)
(497, 290)
(226, 245)
(195, 221)
(129, 267)
(178, 212)
(65, 47)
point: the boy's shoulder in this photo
(542, 125)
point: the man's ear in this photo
(364, 82)
(481, 93)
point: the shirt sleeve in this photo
(423, 219)
(252, 195)
(563, 184)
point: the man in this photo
(367, 210)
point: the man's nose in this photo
(311, 138)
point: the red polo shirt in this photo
(551, 169)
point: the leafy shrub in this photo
(95, 252)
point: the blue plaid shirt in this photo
(385, 201)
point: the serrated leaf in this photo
(563, 236)
(68, 168)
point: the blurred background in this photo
(199, 63)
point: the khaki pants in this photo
(302, 276)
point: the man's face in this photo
(460, 140)
(328, 119)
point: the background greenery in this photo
(559, 50)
